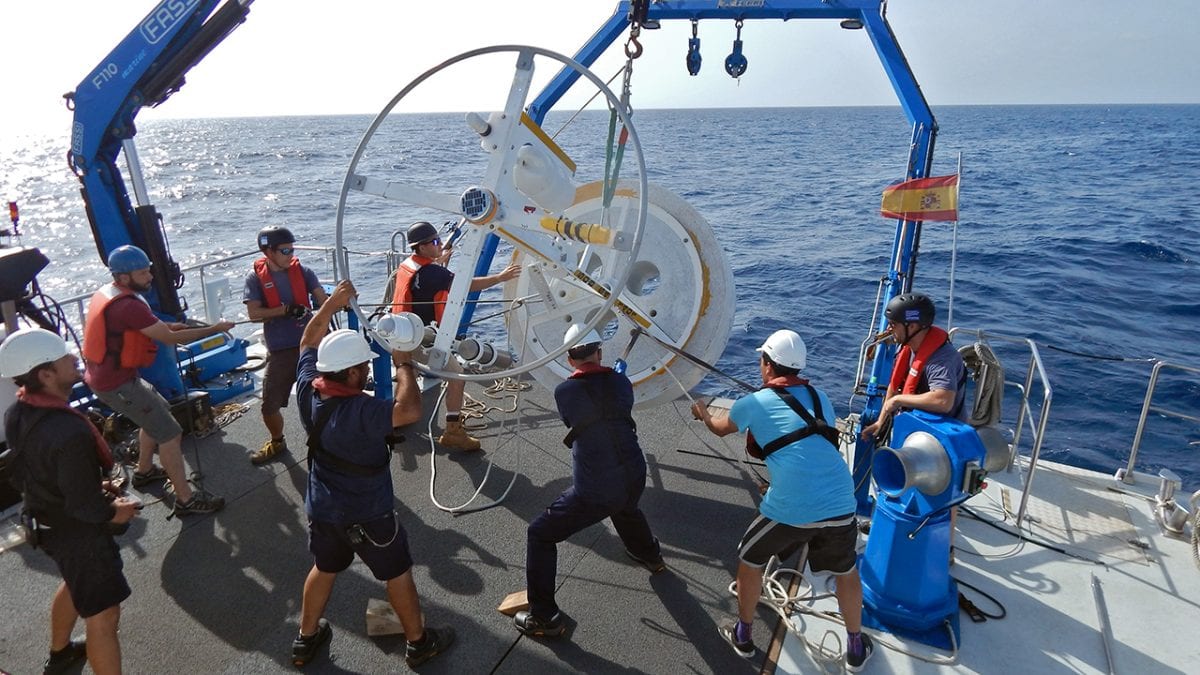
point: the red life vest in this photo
(295, 280)
(137, 350)
(402, 298)
(906, 375)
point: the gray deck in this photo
(222, 593)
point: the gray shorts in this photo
(145, 407)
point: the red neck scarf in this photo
(784, 381)
(40, 400)
(588, 368)
(329, 388)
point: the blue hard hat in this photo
(127, 259)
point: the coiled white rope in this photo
(466, 507)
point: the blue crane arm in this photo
(870, 15)
(143, 70)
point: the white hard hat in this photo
(342, 349)
(29, 348)
(402, 332)
(572, 337)
(786, 348)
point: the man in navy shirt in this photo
(609, 472)
(349, 498)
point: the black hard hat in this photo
(909, 308)
(274, 235)
(421, 232)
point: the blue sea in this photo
(1079, 230)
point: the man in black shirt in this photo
(61, 466)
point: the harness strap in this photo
(327, 459)
(605, 414)
(812, 425)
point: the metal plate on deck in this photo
(1078, 512)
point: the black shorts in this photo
(90, 564)
(831, 548)
(384, 548)
(279, 378)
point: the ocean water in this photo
(1079, 231)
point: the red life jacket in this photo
(137, 350)
(295, 280)
(906, 375)
(402, 298)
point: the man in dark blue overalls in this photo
(595, 402)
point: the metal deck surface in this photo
(221, 593)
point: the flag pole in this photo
(954, 249)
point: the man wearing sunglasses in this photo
(277, 293)
(421, 286)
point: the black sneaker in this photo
(532, 626)
(855, 662)
(200, 503)
(155, 474)
(305, 648)
(655, 564)
(437, 640)
(729, 632)
(66, 657)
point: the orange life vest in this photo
(402, 298)
(295, 280)
(137, 350)
(905, 375)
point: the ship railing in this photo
(1149, 407)
(215, 276)
(1035, 378)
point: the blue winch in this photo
(907, 587)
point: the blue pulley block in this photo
(693, 56)
(735, 63)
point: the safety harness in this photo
(607, 412)
(814, 424)
(317, 452)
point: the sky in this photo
(351, 56)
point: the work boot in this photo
(62, 660)
(457, 438)
(270, 450)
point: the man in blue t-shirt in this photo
(810, 500)
(349, 501)
(277, 293)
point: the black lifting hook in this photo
(735, 63)
(693, 53)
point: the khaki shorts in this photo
(145, 407)
(278, 380)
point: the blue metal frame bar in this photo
(908, 92)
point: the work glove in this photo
(296, 311)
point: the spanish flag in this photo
(922, 199)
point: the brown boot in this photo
(457, 438)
